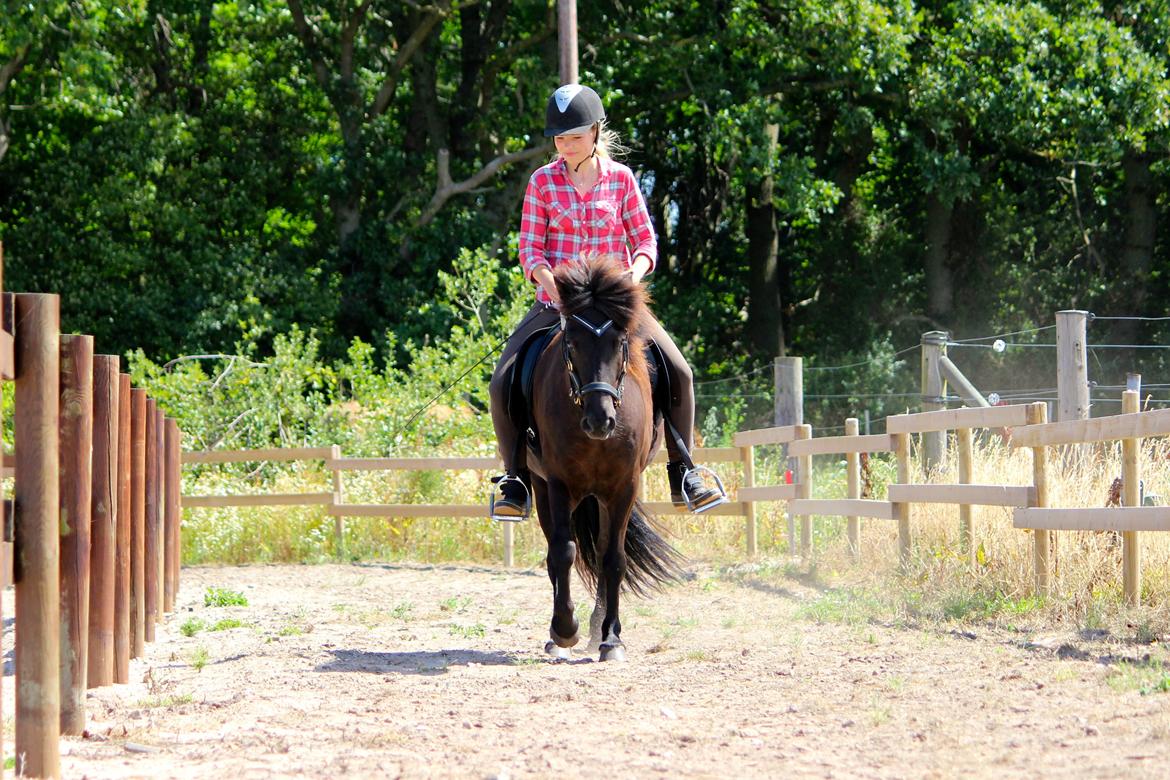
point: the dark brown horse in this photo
(593, 409)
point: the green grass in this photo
(469, 632)
(161, 702)
(199, 658)
(222, 597)
(1146, 678)
(845, 606)
(455, 604)
(192, 626)
(227, 623)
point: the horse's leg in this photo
(562, 552)
(597, 616)
(614, 571)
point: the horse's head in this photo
(602, 317)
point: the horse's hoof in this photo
(558, 653)
(613, 652)
(565, 642)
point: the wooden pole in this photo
(76, 491)
(338, 499)
(748, 458)
(150, 523)
(934, 391)
(1072, 373)
(123, 519)
(567, 40)
(902, 509)
(138, 417)
(159, 573)
(1037, 414)
(853, 485)
(804, 490)
(172, 514)
(1131, 476)
(963, 442)
(788, 409)
(36, 568)
(103, 511)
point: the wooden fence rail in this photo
(66, 532)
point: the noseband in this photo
(576, 390)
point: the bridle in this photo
(576, 389)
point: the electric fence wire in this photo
(958, 342)
(1140, 319)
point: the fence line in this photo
(74, 541)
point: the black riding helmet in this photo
(572, 109)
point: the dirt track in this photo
(435, 671)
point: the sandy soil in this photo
(439, 671)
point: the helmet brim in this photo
(554, 131)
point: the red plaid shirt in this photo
(559, 225)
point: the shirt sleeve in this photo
(636, 220)
(533, 229)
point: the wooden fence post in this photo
(1037, 414)
(37, 527)
(966, 455)
(137, 521)
(122, 524)
(748, 458)
(934, 390)
(150, 523)
(76, 491)
(567, 40)
(1131, 475)
(173, 514)
(902, 509)
(1072, 373)
(853, 484)
(160, 571)
(338, 499)
(804, 491)
(103, 510)
(788, 409)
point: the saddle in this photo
(522, 379)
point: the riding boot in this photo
(687, 484)
(511, 500)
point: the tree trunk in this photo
(940, 284)
(1141, 223)
(764, 305)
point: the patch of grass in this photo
(161, 702)
(10, 762)
(644, 611)
(455, 604)
(729, 622)
(291, 629)
(698, 656)
(227, 623)
(688, 622)
(1144, 677)
(402, 611)
(222, 597)
(469, 632)
(192, 626)
(850, 607)
(199, 658)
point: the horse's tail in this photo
(651, 561)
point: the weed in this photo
(222, 597)
(455, 604)
(469, 632)
(160, 702)
(192, 626)
(402, 611)
(698, 655)
(291, 629)
(227, 623)
(199, 658)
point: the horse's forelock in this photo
(604, 284)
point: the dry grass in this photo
(943, 581)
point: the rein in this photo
(576, 389)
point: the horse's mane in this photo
(604, 284)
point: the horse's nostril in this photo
(610, 424)
(585, 426)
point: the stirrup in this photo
(510, 518)
(720, 499)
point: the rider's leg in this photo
(682, 416)
(511, 495)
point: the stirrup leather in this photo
(720, 499)
(510, 518)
